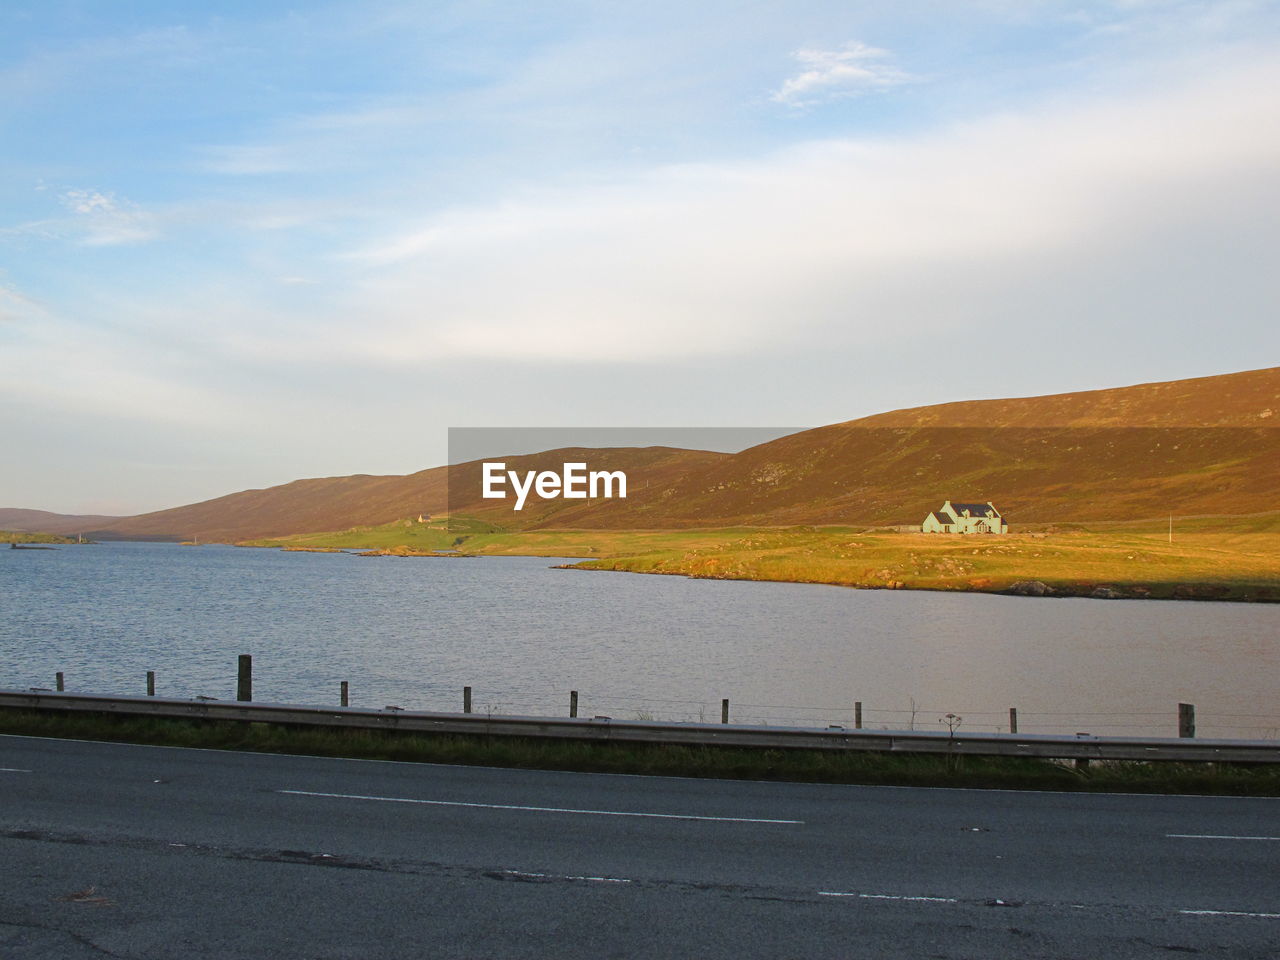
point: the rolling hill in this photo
(335, 503)
(42, 521)
(1192, 447)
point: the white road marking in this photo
(1077, 906)
(513, 806)
(1212, 836)
(12, 770)
(1229, 913)
(869, 787)
(554, 876)
(887, 896)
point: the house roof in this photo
(940, 517)
(975, 509)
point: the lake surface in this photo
(414, 631)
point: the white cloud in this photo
(847, 71)
(16, 307)
(317, 141)
(1015, 226)
(871, 241)
(102, 219)
(251, 159)
(132, 375)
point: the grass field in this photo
(1210, 558)
(661, 760)
(11, 536)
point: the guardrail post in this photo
(466, 699)
(573, 703)
(1013, 719)
(57, 681)
(244, 678)
(344, 694)
(1186, 719)
(857, 714)
(151, 683)
(724, 711)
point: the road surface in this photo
(111, 850)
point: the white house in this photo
(965, 518)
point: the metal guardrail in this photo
(1078, 747)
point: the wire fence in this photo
(923, 717)
(556, 702)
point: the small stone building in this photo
(965, 518)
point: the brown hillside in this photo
(303, 506)
(1249, 399)
(338, 503)
(42, 521)
(1191, 447)
(1203, 446)
(869, 475)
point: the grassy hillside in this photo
(1203, 567)
(22, 536)
(331, 503)
(42, 521)
(1204, 446)
(866, 475)
(1209, 559)
(325, 503)
(1248, 399)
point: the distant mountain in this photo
(1205, 446)
(1249, 399)
(338, 503)
(42, 521)
(303, 506)
(1202, 446)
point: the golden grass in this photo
(1227, 558)
(1196, 566)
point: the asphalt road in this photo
(110, 850)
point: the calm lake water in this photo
(413, 632)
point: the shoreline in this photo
(1233, 561)
(1116, 590)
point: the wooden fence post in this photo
(1013, 719)
(58, 681)
(857, 714)
(466, 699)
(724, 711)
(151, 683)
(1186, 719)
(344, 693)
(573, 703)
(244, 678)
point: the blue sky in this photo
(244, 243)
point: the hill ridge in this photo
(1204, 444)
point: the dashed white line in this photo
(513, 806)
(12, 770)
(556, 876)
(1229, 913)
(1076, 906)
(1212, 836)
(886, 896)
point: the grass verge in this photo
(1225, 558)
(804, 766)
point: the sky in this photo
(243, 243)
